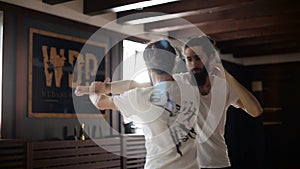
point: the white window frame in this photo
(1, 67)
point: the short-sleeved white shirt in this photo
(143, 106)
(212, 148)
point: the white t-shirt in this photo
(167, 117)
(212, 148)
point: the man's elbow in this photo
(101, 106)
(257, 111)
(96, 100)
(106, 103)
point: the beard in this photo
(200, 77)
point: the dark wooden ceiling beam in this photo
(284, 38)
(261, 8)
(54, 2)
(180, 8)
(266, 46)
(93, 7)
(241, 24)
(241, 34)
(266, 53)
(259, 32)
(181, 22)
(271, 49)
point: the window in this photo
(1, 40)
(134, 68)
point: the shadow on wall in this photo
(245, 139)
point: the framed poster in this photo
(57, 64)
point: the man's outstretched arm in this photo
(106, 87)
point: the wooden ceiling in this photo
(244, 28)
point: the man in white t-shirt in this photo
(167, 111)
(218, 90)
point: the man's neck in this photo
(205, 88)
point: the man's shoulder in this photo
(182, 77)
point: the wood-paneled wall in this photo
(113, 152)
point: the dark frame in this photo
(51, 74)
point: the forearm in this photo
(248, 101)
(119, 87)
(102, 102)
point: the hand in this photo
(217, 70)
(82, 90)
(99, 87)
(95, 87)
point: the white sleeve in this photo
(182, 77)
(135, 106)
(128, 103)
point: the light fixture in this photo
(140, 5)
